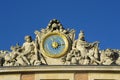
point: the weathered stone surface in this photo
(9, 76)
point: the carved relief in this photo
(83, 53)
(56, 42)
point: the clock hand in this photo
(61, 44)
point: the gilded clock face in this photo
(55, 45)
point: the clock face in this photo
(55, 45)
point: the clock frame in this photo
(54, 45)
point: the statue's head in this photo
(28, 38)
(81, 35)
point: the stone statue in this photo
(78, 52)
(106, 57)
(86, 49)
(2, 55)
(10, 59)
(72, 58)
(28, 49)
(29, 53)
(93, 54)
(81, 45)
(118, 58)
(83, 53)
(22, 56)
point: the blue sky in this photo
(99, 19)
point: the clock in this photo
(55, 44)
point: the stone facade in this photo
(60, 73)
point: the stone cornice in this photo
(54, 68)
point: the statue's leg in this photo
(26, 60)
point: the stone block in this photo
(54, 76)
(9, 76)
(81, 76)
(27, 76)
